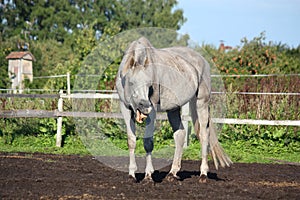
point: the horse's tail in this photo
(217, 152)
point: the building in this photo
(19, 68)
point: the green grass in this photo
(239, 151)
(246, 152)
(44, 144)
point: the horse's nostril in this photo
(144, 104)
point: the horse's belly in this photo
(173, 98)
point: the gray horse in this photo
(151, 80)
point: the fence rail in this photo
(252, 75)
(68, 82)
(160, 116)
(96, 94)
(61, 113)
(8, 95)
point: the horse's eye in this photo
(134, 95)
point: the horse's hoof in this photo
(147, 180)
(132, 179)
(203, 178)
(172, 177)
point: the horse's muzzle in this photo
(142, 115)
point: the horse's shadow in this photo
(159, 176)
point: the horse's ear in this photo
(128, 63)
(129, 58)
(141, 56)
(143, 52)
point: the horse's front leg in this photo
(179, 137)
(148, 143)
(131, 138)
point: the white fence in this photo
(60, 113)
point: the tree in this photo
(40, 19)
(148, 13)
(5, 48)
(58, 19)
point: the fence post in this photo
(68, 84)
(59, 120)
(184, 113)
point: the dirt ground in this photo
(41, 176)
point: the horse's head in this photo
(136, 92)
(137, 78)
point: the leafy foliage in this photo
(58, 20)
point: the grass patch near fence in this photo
(246, 152)
(44, 144)
(270, 152)
(239, 151)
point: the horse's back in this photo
(189, 58)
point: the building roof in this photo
(20, 54)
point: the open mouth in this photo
(140, 117)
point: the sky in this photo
(209, 21)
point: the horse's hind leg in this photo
(148, 143)
(200, 115)
(203, 135)
(131, 139)
(179, 136)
